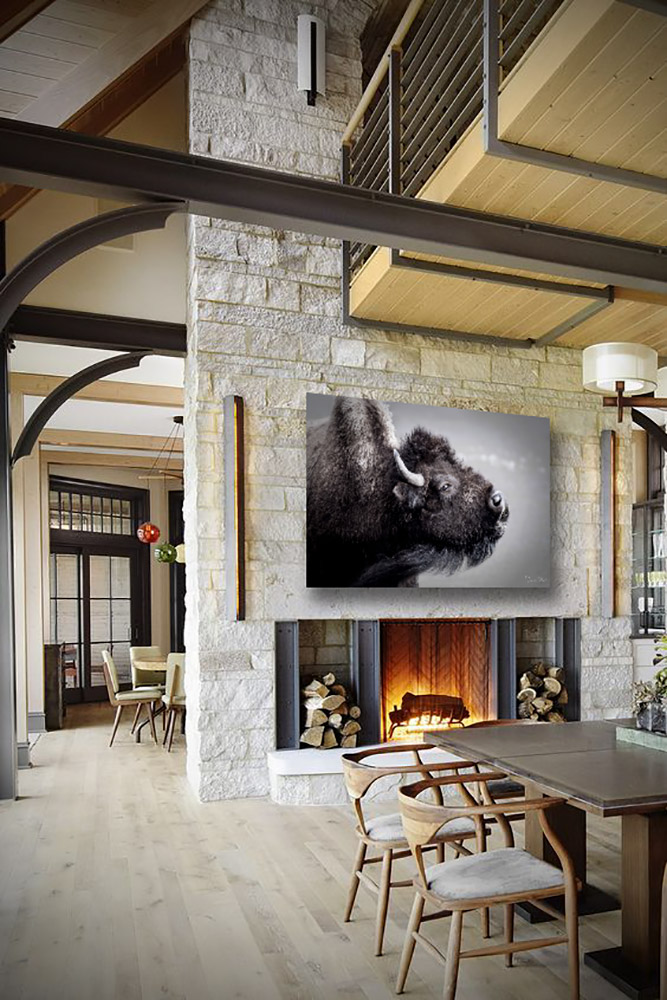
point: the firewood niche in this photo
(542, 693)
(331, 715)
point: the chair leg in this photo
(453, 953)
(383, 900)
(172, 727)
(354, 884)
(409, 946)
(440, 853)
(484, 920)
(572, 927)
(151, 721)
(136, 718)
(119, 712)
(509, 932)
(167, 713)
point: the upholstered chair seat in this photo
(390, 828)
(505, 871)
(130, 697)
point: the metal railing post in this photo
(491, 74)
(395, 122)
(345, 252)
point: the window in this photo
(83, 507)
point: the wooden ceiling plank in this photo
(15, 13)
(10, 104)
(595, 92)
(103, 439)
(23, 83)
(28, 41)
(113, 106)
(53, 27)
(63, 102)
(104, 390)
(104, 459)
(89, 15)
(25, 62)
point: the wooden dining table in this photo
(585, 764)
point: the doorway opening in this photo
(100, 581)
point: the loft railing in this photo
(427, 90)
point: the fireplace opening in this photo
(433, 675)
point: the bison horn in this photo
(415, 478)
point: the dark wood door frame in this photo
(87, 543)
(139, 610)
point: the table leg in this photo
(634, 967)
(142, 725)
(569, 825)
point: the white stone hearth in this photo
(314, 777)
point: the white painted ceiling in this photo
(50, 359)
(117, 418)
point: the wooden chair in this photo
(503, 876)
(174, 696)
(120, 699)
(385, 832)
(505, 788)
(144, 675)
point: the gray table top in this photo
(580, 761)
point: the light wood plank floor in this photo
(116, 883)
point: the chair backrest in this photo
(175, 683)
(422, 819)
(110, 675)
(360, 774)
(146, 653)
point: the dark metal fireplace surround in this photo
(478, 660)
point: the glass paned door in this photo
(110, 615)
(96, 605)
(66, 614)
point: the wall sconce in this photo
(311, 56)
(234, 477)
(628, 370)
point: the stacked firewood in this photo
(542, 693)
(331, 718)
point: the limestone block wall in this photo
(264, 322)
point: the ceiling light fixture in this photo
(628, 370)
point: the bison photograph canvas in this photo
(406, 495)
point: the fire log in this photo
(313, 736)
(332, 702)
(329, 739)
(315, 717)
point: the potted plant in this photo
(644, 704)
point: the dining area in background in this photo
(158, 685)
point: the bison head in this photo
(444, 504)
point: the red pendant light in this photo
(148, 533)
